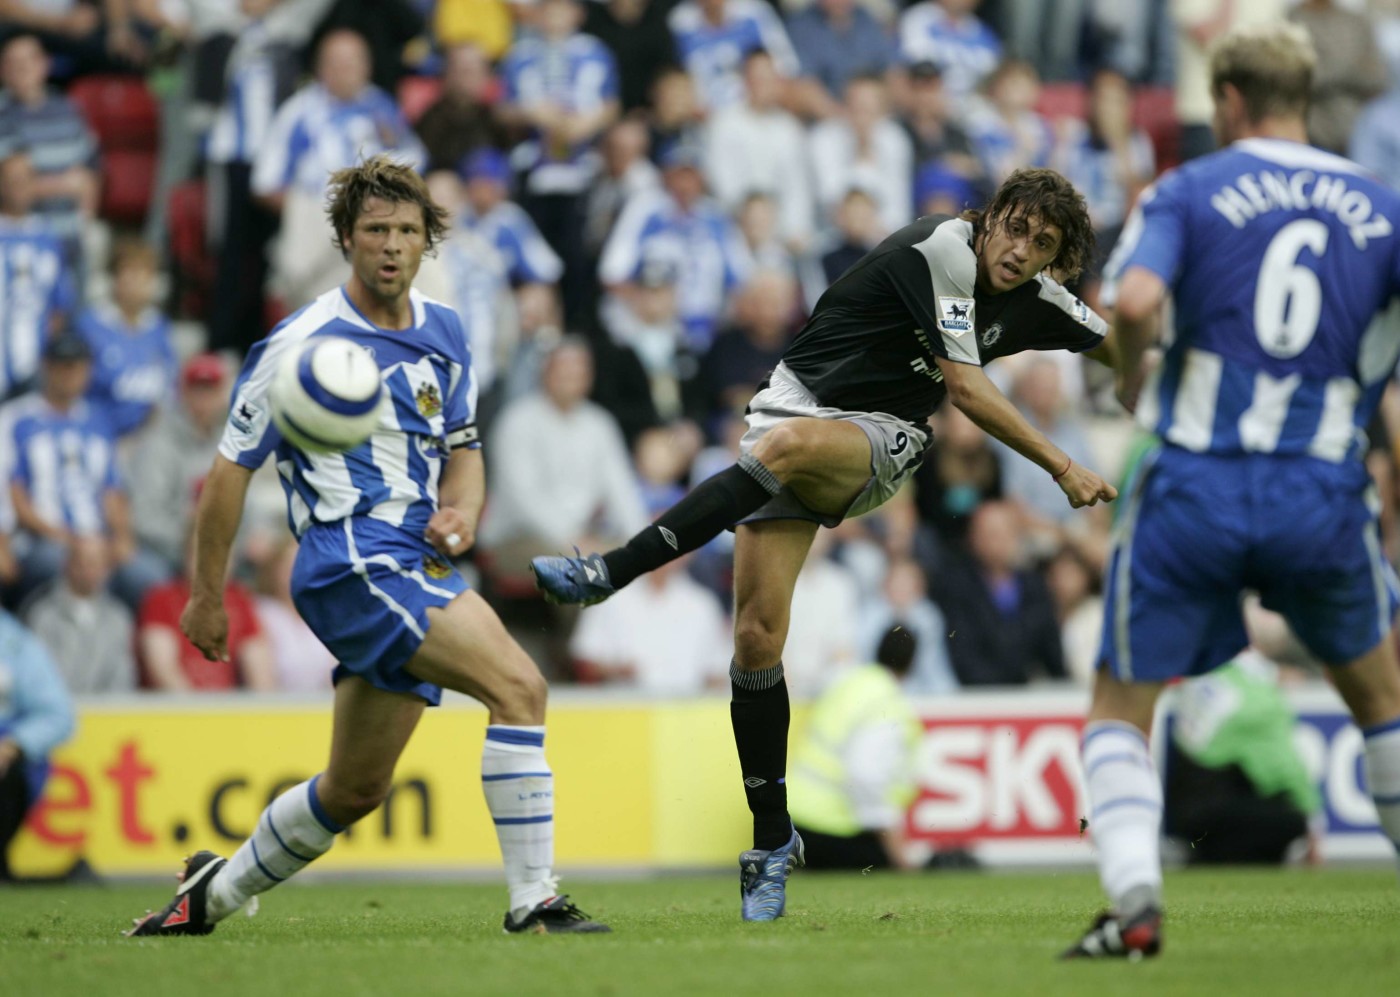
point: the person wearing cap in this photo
(174, 456)
(62, 471)
(490, 213)
(836, 41)
(681, 224)
(36, 287)
(134, 362)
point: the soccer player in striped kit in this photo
(373, 578)
(1283, 266)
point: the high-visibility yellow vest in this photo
(818, 784)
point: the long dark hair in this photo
(1046, 195)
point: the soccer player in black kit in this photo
(839, 427)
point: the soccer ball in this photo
(326, 395)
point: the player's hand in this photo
(450, 532)
(205, 623)
(1083, 487)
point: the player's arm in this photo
(978, 398)
(1106, 352)
(204, 620)
(461, 494)
(1136, 319)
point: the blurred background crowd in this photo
(648, 197)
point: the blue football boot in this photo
(581, 580)
(763, 879)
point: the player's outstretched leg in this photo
(188, 913)
(711, 507)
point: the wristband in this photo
(1056, 477)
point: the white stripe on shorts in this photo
(361, 567)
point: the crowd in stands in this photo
(648, 196)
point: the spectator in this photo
(682, 225)
(938, 137)
(462, 119)
(751, 146)
(330, 123)
(1349, 70)
(639, 38)
(757, 219)
(948, 34)
(858, 231)
(63, 480)
(743, 355)
(668, 638)
(1001, 615)
(1074, 584)
(836, 41)
(36, 716)
(676, 119)
(35, 288)
(1107, 159)
(1038, 392)
(562, 86)
(624, 172)
(903, 602)
(853, 773)
(865, 148)
(1007, 131)
(483, 23)
(646, 323)
(300, 662)
(387, 27)
(173, 459)
(134, 362)
(1375, 138)
(824, 635)
(940, 191)
(170, 663)
(713, 36)
(959, 472)
(63, 150)
(88, 632)
(502, 223)
(1048, 33)
(562, 478)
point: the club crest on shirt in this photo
(429, 401)
(992, 334)
(955, 315)
(435, 567)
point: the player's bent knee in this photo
(758, 643)
(518, 695)
(783, 448)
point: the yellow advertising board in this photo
(140, 787)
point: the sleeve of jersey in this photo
(462, 391)
(1064, 322)
(250, 434)
(935, 281)
(1153, 237)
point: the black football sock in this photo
(760, 714)
(711, 506)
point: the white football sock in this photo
(1125, 813)
(291, 832)
(1383, 775)
(519, 788)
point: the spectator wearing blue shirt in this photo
(36, 290)
(49, 127)
(681, 225)
(36, 716)
(1107, 159)
(1375, 138)
(948, 34)
(62, 471)
(134, 361)
(503, 223)
(836, 41)
(562, 85)
(1007, 132)
(336, 121)
(713, 36)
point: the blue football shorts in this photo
(364, 587)
(1197, 530)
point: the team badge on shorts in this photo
(435, 567)
(428, 399)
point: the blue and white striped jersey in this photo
(713, 55)
(313, 134)
(133, 368)
(255, 86)
(1285, 273)
(578, 73)
(529, 258)
(480, 292)
(64, 461)
(393, 476)
(34, 288)
(965, 48)
(704, 245)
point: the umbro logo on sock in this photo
(669, 537)
(753, 782)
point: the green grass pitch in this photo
(1235, 932)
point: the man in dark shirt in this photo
(839, 427)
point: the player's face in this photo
(386, 246)
(1014, 250)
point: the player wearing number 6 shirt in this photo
(1283, 269)
(373, 578)
(839, 427)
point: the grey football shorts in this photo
(896, 448)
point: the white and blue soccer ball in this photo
(327, 395)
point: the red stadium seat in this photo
(192, 266)
(128, 177)
(417, 94)
(119, 109)
(1154, 111)
(1063, 100)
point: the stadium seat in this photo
(119, 109)
(192, 266)
(417, 94)
(1063, 100)
(128, 177)
(1154, 111)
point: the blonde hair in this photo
(380, 176)
(1270, 65)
